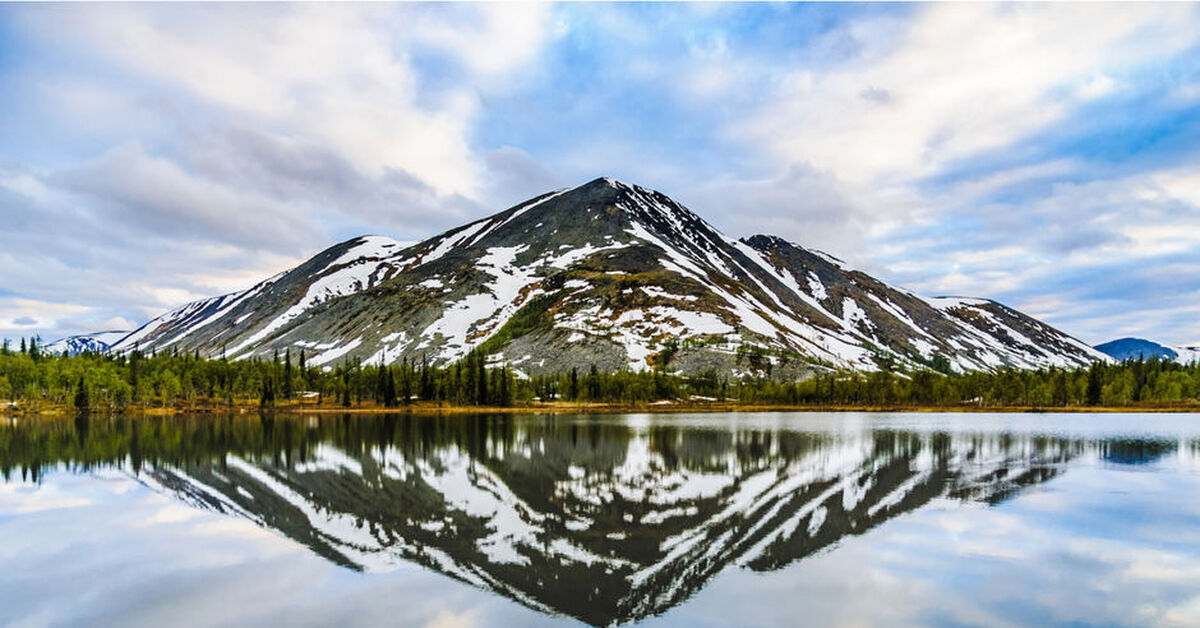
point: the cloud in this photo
(517, 176)
(155, 154)
(1093, 257)
(330, 75)
(157, 195)
(314, 182)
(224, 144)
(955, 138)
(958, 79)
(803, 205)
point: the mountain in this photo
(611, 275)
(97, 342)
(1136, 349)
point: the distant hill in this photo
(1137, 349)
(97, 342)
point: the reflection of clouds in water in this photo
(20, 499)
(913, 544)
(1016, 564)
(143, 559)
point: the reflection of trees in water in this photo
(1137, 450)
(600, 520)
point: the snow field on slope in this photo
(511, 288)
(360, 268)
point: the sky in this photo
(1043, 155)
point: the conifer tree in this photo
(82, 400)
(426, 379)
(406, 382)
(480, 380)
(287, 374)
(1094, 386)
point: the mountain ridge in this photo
(95, 342)
(606, 274)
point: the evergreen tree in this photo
(426, 379)
(267, 395)
(83, 402)
(288, 389)
(481, 395)
(505, 396)
(406, 382)
(1094, 386)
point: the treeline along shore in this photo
(33, 382)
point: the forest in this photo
(32, 379)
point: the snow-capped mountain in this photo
(1187, 354)
(611, 527)
(611, 275)
(98, 342)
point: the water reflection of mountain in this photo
(604, 521)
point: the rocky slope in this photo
(611, 275)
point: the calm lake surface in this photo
(682, 520)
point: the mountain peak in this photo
(606, 182)
(609, 187)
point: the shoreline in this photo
(715, 407)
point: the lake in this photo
(782, 519)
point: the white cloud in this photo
(139, 189)
(959, 79)
(490, 39)
(902, 102)
(1101, 259)
(340, 76)
(229, 142)
(205, 147)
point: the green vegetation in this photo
(91, 382)
(100, 383)
(532, 317)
